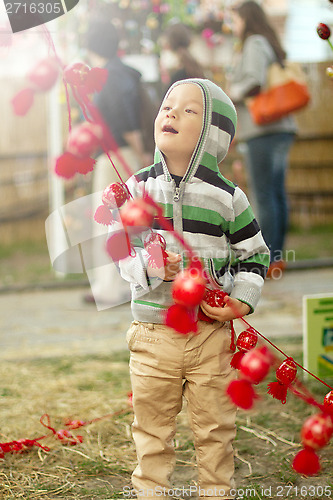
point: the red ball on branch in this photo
(246, 341)
(76, 73)
(255, 364)
(306, 462)
(181, 319)
(104, 216)
(85, 139)
(242, 393)
(328, 403)
(118, 246)
(96, 79)
(323, 31)
(316, 431)
(44, 74)
(67, 165)
(154, 237)
(23, 101)
(188, 288)
(89, 79)
(115, 195)
(285, 374)
(157, 256)
(139, 213)
(215, 298)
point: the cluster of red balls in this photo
(86, 138)
(254, 364)
(41, 78)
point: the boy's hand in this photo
(170, 270)
(232, 309)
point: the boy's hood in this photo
(218, 129)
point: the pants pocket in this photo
(131, 334)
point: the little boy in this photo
(193, 131)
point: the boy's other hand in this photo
(232, 309)
(170, 270)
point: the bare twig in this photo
(244, 462)
(259, 435)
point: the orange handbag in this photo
(287, 92)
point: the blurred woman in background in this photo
(268, 145)
(179, 61)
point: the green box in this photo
(318, 334)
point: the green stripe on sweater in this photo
(202, 214)
(259, 258)
(242, 220)
(151, 304)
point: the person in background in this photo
(268, 146)
(180, 63)
(119, 105)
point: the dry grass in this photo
(99, 468)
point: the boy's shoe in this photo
(276, 269)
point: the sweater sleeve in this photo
(251, 254)
(252, 72)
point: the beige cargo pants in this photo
(164, 366)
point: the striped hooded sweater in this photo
(211, 214)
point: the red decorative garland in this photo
(64, 435)
(188, 288)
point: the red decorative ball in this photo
(247, 340)
(84, 139)
(118, 246)
(317, 431)
(323, 31)
(65, 165)
(22, 101)
(96, 79)
(328, 402)
(188, 288)
(181, 319)
(255, 364)
(215, 298)
(103, 216)
(44, 74)
(242, 393)
(84, 165)
(76, 73)
(286, 373)
(155, 238)
(138, 212)
(115, 195)
(306, 462)
(157, 255)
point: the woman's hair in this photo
(257, 23)
(179, 38)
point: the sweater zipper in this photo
(177, 194)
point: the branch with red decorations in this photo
(254, 359)
(324, 32)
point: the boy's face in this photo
(179, 122)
